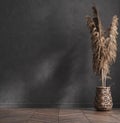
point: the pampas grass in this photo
(104, 45)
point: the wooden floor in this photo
(31, 115)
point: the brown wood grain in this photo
(39, 115)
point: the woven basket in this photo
(103, 99)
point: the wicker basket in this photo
(103, 99)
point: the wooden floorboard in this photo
(45, 116)
(72, 116)
(39, 115)
(101, 117)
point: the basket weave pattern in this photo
(103, 99)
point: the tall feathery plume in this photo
(111, 44)
(112, 36)
(103, 47)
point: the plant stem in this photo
(102, 78)
(105, 82)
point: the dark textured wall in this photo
(45, 53)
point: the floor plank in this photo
(101, 117)
(51, 115)
(72, 116)
(45, 116)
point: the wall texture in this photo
(45, 53)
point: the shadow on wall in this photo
(45, 57)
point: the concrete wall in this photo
(45, 53)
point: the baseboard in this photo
(49, 105)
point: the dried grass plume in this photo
(104, 45)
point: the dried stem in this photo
(104, 47)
